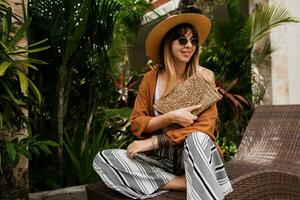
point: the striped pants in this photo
(142, 176)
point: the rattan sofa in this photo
(267, 164)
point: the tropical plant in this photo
(81, 35)
(11, 151)
(18, 94)
(228, 54)
(207, 7)
(110, 130)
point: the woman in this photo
(176, 150)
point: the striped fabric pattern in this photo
(132, 177)
(204, 169)
(142, 176)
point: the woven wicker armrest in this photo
(266, 165)
(266, 185)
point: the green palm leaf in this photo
(3, 67)
(11, 151)
(77, 22)
(23, 80)
(5, 30)
(38, 43)
(266, 18)
(11, 95)
(3, 47)
(35, 91)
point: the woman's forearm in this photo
(159, 122)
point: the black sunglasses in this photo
(184, 41)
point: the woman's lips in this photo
(186, 53)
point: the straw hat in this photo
(154, 38)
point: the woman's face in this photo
(181, 52)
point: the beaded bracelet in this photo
(163, 140)
(155, 141)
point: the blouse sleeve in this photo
(141, 114)
(205, 123)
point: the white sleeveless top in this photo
(156, 97)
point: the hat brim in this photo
(201, 23)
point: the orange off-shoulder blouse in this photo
(143, 112)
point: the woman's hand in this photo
(184, 117)
(139, 146)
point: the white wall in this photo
(293, 43)
(285, 40)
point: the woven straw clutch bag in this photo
(196, 90)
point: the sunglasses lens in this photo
(195, 41)
(182, 40)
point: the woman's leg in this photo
(178, 183)
(204, 169)
(131, 177)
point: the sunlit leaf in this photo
(37, 43)
(23, 82)
(11, 151)
(3, 67)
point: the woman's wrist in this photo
(161, 140)
(171, 117)
(154, 141)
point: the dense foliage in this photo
(18, 95)
(78, 83)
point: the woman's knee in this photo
(104, 157)
(197, 137)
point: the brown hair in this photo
(166, 58)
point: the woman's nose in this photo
(188, 44)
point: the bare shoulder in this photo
(206, 73)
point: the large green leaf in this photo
(70, 149)
(3, 67)
(25, 64)
(11, 96)
(36, 61)
(35, 91)
(23, 80)
(5, 30)
(11, 151)
(37, 43)
(3, 46)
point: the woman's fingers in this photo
(193, 117)
(192, 108)
(132, 151)
(138, 146)
(132, 154)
